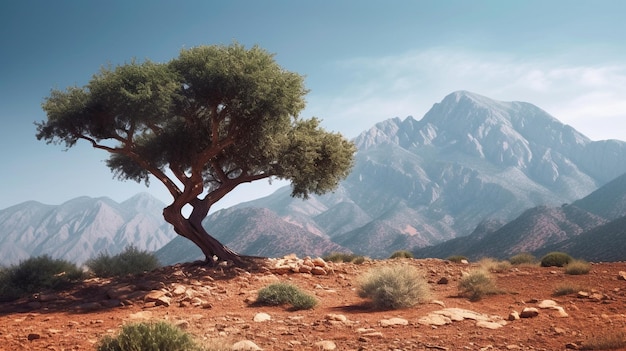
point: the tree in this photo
(202, 124)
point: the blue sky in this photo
(364, 62)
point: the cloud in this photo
(367, 90)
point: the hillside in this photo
(587, 228)
(81, 228)
(216, 306)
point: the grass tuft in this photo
(146, 336)
(477, 284)
(401, 254)
(394, 287)
(578, 267)
(129, 261)
(523, 258)
(282, 293)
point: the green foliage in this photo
(495, 266)
(158, 336)
(613, 340)
(578, 267)
(344, 257)
(476, 284)
(129, 261)
(222, 113)
(457, 258)
(556, 259)
(523, 258)
(283, 293)
(37, 274)
(394, 287)
(401, 254)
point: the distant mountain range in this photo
(473, 174)
(82, 228)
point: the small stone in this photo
(33, 336)
(262, 317)
(245, 345)
(336, 317)
(621, 275)
(489, 325)
(443, 280)
(393, 321)
(529, 312)
(547, 304)
(326, 345)
(513, 316)
(318, 271)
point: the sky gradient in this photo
(364, 62)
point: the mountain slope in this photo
(470, 158)
(589, 228)
(81, 228)
(251, 231)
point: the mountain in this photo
(81, 228)
(590, 228)
(251, 231)
(469, 159)
(481, 176)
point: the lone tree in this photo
(205, 122)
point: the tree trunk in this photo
(192, 229)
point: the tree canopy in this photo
(203, 123)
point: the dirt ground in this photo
(214, 304)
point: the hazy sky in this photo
(364, 62)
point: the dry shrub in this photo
(492, 265)
(476, 284)
(393, 287)
(608, 341)
(578, 267)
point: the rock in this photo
(158, 297)
(393, 321)
(326, 345)
(489, 325)
(443, 280)
(560, 312)
(319, 262)
(547, 304)
(513, 316)
(621, 275)
(582, 294)
(245, 345)
(262, 317)
(529, 312)
(336, 317)
(33, 336)
(179, 290)
(318, 271)
(434, 319)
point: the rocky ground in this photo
(216, 305)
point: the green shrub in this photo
(393, 287)
(457, 258)
(129, 261)
(578, 267)
(401, 254)
(37, 274)
(159, 336)
(476, 284)
(283, 293)
(492, 265)
(344, 257)
(556, 259)
(523, 258)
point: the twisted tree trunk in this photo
(192, 229)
